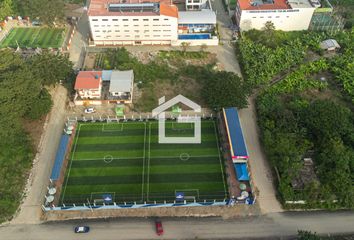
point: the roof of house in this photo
(234, 130)
(329, 43)
(262, 5)
(205, 16)
(106, 75)
(101, 8)
(241, 171)
(88, 80)
(121, 81)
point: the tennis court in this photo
(125, 161)
(34, 37)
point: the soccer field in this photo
(126, 161)
(34, 37)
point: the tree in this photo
(46, 11)
(5, 8)
(225, 89)
(41, 105)
(50, 68)
(185, 46)
(307, 235)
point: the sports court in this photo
(34, 37)
(125, 161)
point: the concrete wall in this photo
(198, 42)
(286, 20)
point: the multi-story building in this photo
(156, 22)
(286, 15)
(195, 4)
(132, 23)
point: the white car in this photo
(90, 110)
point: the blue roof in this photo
(106, 75)
(241, 171)
(59, 158)
(238, 146)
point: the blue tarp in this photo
(235, 133)
(59, 158)
(241, 171)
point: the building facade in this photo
(292, 15)
(132, 23)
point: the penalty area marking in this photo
(112, 130)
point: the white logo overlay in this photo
(195, 120)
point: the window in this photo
(96, 25)
(166, 19)
(97, 31)
(146, 35)
(146, 31)
(146, 25)
(125, 20)
(137, 36)
(135, 19)
(116, 30)
(156, 19)
(98, 36)
(103, 25)
(115, 19)
(254, 17)
(262, 17)
(269, 16)
(156, 35)
(127, 35)
(277, 16)
(167, 30)
(126, 30)
(126, 25)
(167, 35)
(157, 30)
(136, 25)
(136, 31)
(105, 20)
(145, 19)
(116, 25)
(94, 20)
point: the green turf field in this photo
(34, 37)
(126, 161)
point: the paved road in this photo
(30, 209)
(280, 225)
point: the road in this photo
(281, 225)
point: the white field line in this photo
(143, 174)
(190, 156)
(113, 130)
(221, 165)
(148, 174)
(71, 161)
(101, 123)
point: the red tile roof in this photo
(88, 80)
(169, 10)
(278, 4)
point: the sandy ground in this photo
(30, 209)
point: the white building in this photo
(156, 22)
(286, 15)
(121, 85)
(195, 4)
(132, 23)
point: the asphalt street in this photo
(272, 226)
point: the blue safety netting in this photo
(59, 158)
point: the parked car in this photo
(158, 225)
(90, 110)
(82, 229)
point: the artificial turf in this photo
(34, 37)
(127, 160)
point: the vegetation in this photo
(216, 88)
(34, 37)
(22, 95)
(130, 163)
(302, 116)
(41, 10)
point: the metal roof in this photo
(234, 129)
(59, 158)
(106, 75)
(329, 43)
(241, 171)
(121, 81)
(205, 16)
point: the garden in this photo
(307, 117)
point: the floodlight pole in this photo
(88, 201)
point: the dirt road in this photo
(30, 209)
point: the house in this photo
(286, 15)
(160, 113)
(121, 85)
(88, 84)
